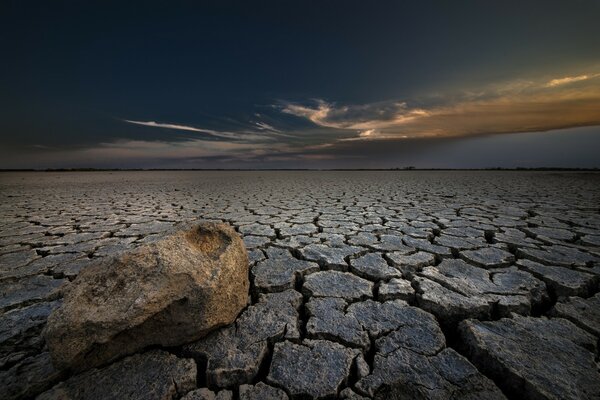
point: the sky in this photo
(300, 84)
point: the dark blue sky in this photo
(299, 84)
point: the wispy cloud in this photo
(168, 126)
(242, 135)
(568, 79)
(519, 106)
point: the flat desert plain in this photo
(364, 284)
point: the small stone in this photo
(315, 368)
(488, 257)
(337, 284)
(153, 375)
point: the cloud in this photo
(265, 126)
(566, 80)
(168, 126)
(244, 135)
(519, 106)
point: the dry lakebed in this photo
(362, 284)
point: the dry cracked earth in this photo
(425, 285)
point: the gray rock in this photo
(29, 377)
(465, 232)
(396, 289)
(488, 257)
(591, 240)
(28, 291)
(169, 292)
(584, 313)
(261, 391)
(459, 243)
(153, 375)
(337, 284)
(412, 263)
(534, 357)
(349, 394)
(557, 255)
(207, 394)
(330, 257)
(407, 374)
(363, 239)
(72, 268)
(553, 233)
(328, 320)
(374, 267)
(233, 354)
(258, 230)
(20, 332)
(354, 325)
(418, 332)
(295, 242)
(380, 318)
(562, 280)
(426, 245)
(391, 243)
(255, 256)
(298, 229)
(280, 271)
(252, 242)
(455, 290)
(15, 260)
(315, 369)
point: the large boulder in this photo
(167, 293)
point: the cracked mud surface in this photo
(425, 285)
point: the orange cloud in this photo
(521, 106)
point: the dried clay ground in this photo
(403, 284)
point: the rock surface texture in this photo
(362, 285)
(166, 293)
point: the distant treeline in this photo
(296, 169)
